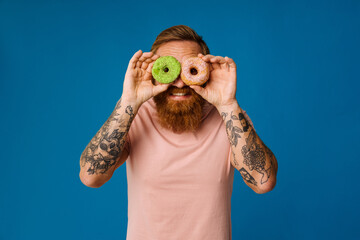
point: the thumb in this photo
(199, 90)
(160, 88)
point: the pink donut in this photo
(195, 71)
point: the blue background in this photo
(62, 65)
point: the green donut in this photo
(166, 69)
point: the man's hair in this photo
(182, 33)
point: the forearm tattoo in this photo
(254, 155)
(107, 145)
(234, 131)
(247, 177)
(272, 159)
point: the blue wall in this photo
(62, 65)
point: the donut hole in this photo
(193, 71)
(166, 69)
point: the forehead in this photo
(179, 49)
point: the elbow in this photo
(269, 186)
(90, 182)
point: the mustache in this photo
(185, 90)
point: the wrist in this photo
(128, 101)
(228, 107)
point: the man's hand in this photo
(221, 87)
(138, 86)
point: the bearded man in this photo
(181, 145)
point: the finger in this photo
(145, 56)
(218, 62)
(134, 59)
(215, 65)
(144, 65)
(207, 58)
(221, 60)
(155, 57)
(149, 67)
(160, 88)
(148, 76)
(138, 64)
(148, 70)
(231, 63)
(199, 90)
(224, 64)
(211, 68)
(217, 59)
(149, 60)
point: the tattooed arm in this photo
(255, 162)
(105, 152)
(250, 156)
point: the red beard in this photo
(179, 116)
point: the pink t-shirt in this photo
(179, 185)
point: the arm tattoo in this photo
(232, 131)
(234, 159)
(272, 158)
(254, 156)
(247, 177)
(107, 145)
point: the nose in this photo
(178, 83)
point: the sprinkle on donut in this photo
(195, 71)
